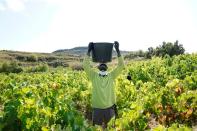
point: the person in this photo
(103, 92)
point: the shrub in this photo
(32, 58)
(58, 63)
(12, 67)
(39, 68)
(77, 67)
(21, 58)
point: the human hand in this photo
(116, 45)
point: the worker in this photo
(103, 92)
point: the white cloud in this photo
(20, 5)
(2, 7)
(54, 2)
(15, 5)
(12, 5)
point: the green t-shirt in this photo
(103, 92)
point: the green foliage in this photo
(32, 58)
(12, 67)
(135, 54)
(39, 68)
(174, 127)
(161, 95)
(44, 102)
(166, 49)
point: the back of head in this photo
(102, 67)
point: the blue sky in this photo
(48, 25)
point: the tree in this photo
(150, 52)
(178, 48)
(168, 48)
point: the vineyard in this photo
(161, 95)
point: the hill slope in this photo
(81, 51)
(31, 59)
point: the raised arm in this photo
(86, 63)
(120, 66)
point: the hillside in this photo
(31, 59)
(62, 57)
(74, 51)
(80, 51)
